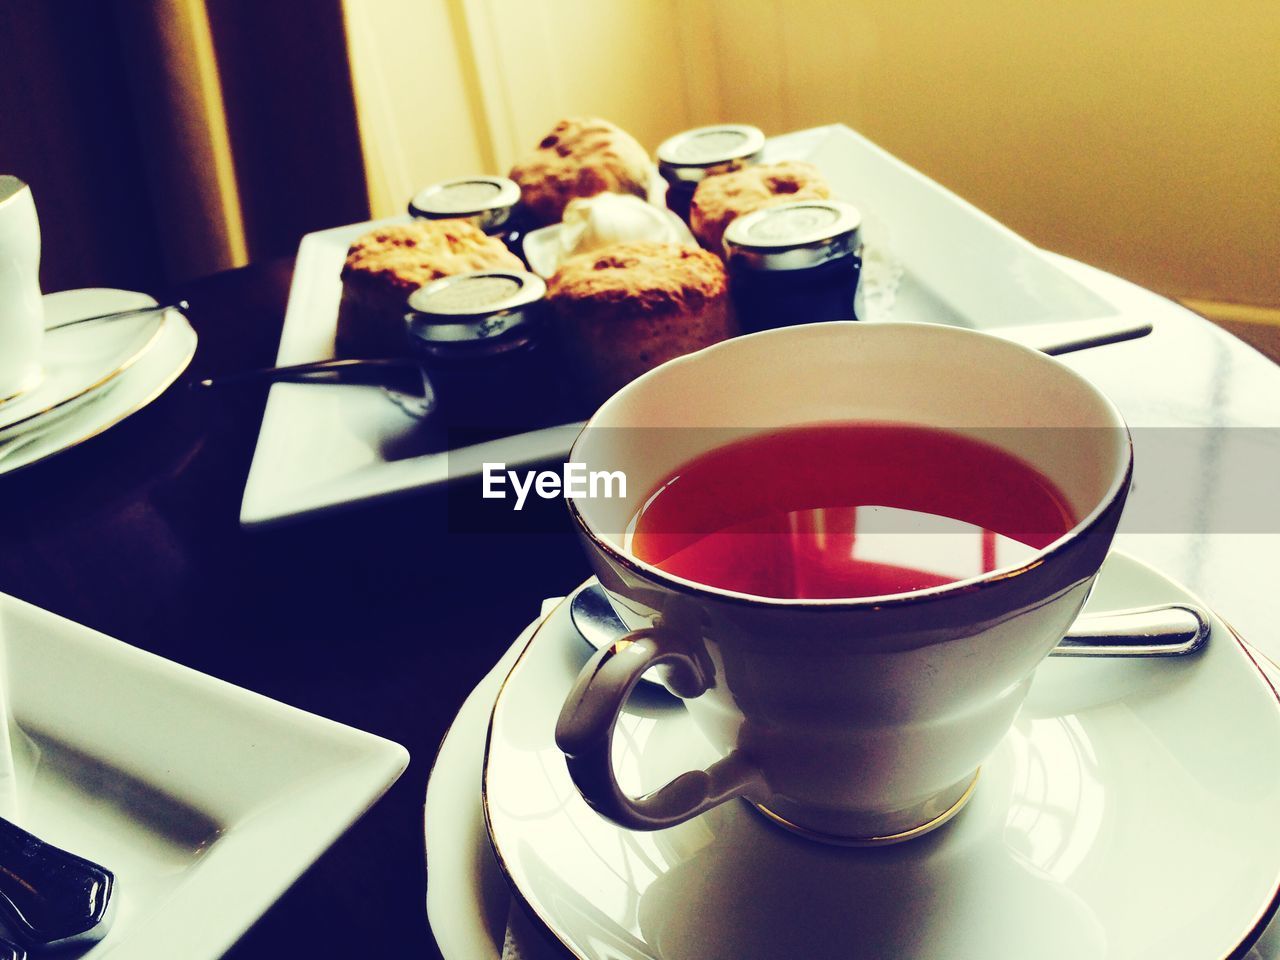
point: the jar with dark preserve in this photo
(488, 202)
(688, 158)
(794, 263)
(480, 340)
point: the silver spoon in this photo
(51, 898)
(1068, 336)
(401, 380)
(383, 372)
(1165, 630)
(122, 314)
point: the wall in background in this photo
(1142, 137)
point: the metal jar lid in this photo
(486, 201)
(793, 236)
(694, 155)
(474, 307)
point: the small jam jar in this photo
(794, 263)
(479, 338)
(688, 158)
(488, 202)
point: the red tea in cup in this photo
(848, 510)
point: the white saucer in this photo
(161, 360)
(1130, 813)
(78, 359)
(468, 901)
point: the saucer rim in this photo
(550, 935)
(105, 379)
(554, 940)
(33, 380)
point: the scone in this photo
(720, 199)
(580, 157)
(387, 264)
(625, 309)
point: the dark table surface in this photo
(383, 618)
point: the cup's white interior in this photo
(924, 374)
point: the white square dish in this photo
(323, 447)
(206, 800)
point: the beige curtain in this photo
(182, 124)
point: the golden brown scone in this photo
(722, 198)
(580, 157)
(625, 309)
(387, 264)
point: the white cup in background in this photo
(21, 307)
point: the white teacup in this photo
(854, 721)
(21, 307)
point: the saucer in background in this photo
(133, 369)
(78, 359)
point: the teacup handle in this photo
(585, 733)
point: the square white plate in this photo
(323, 446)
(207, 801)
